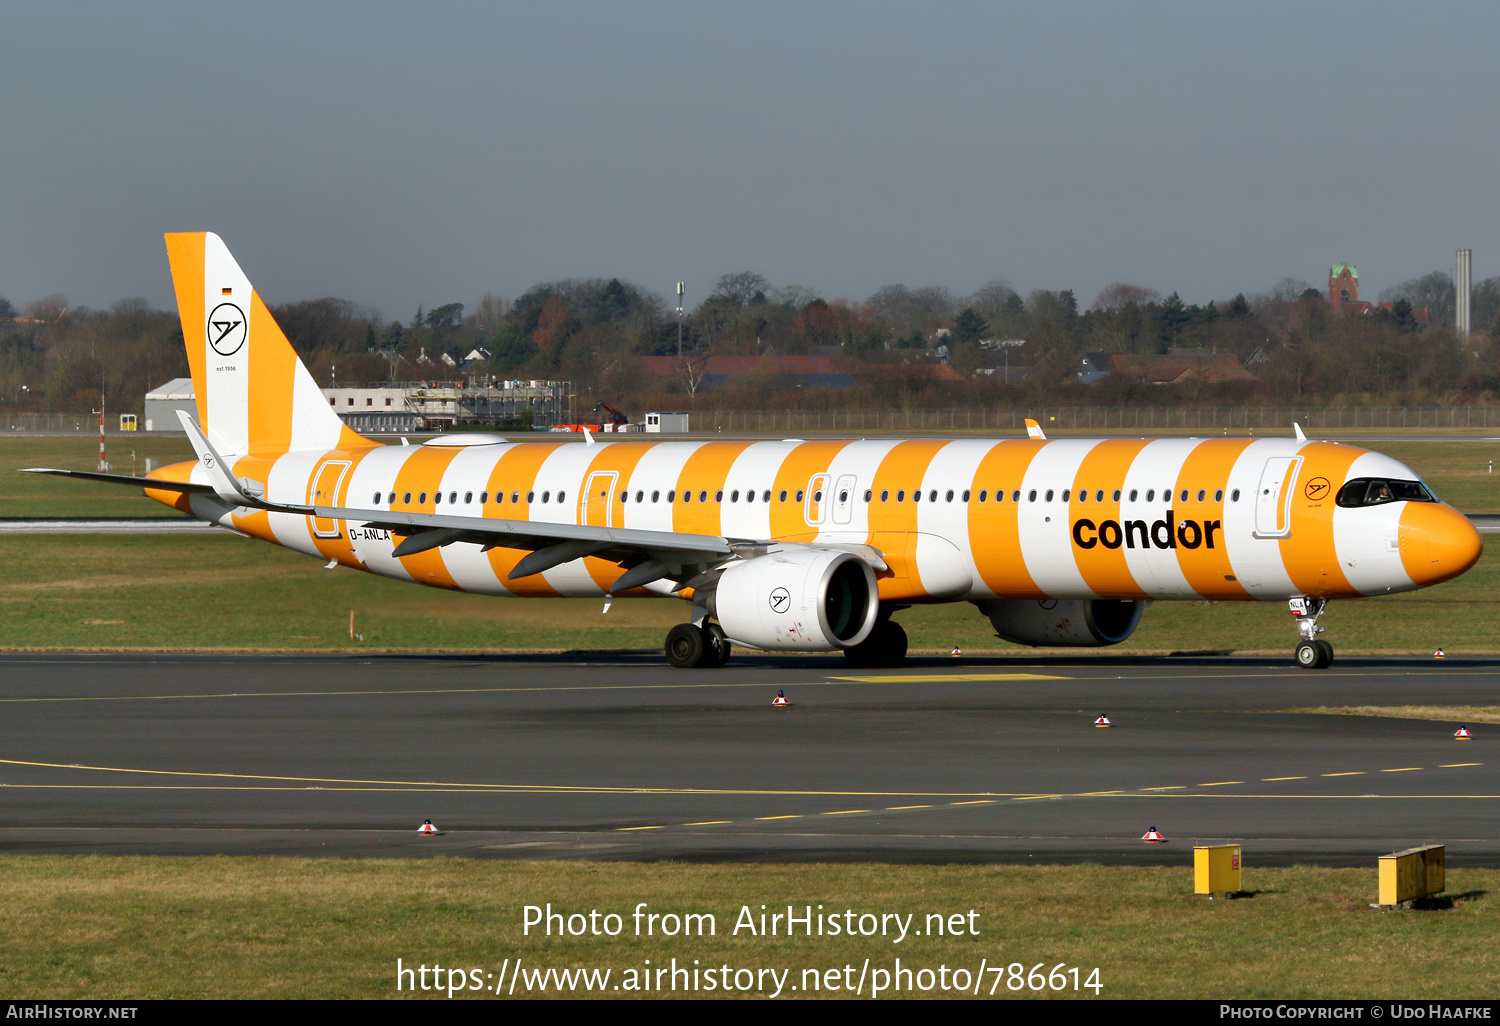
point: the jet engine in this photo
(1081, 623)
(801, 599)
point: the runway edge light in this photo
(427, 829)
(1462, 734)
(779, 700)
(1216, 869)
(1153, 836)
(1440, 654)
(1103, 721)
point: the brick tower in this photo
(1343, 284)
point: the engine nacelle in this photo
(808, 600)
(1072, 623)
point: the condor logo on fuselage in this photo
(1161, 534)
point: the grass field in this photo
(1460, 714)
(281, 928)
(210, 591)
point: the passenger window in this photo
(422, 499)
(484, 498)
(561, 496)
(407, 499)
(932, 495)
(984, 493)
(437, 498)
(640, 496)
(672, 495)
(1099, 496)
(376, 501)
(391, 498)
(750, 495)
(453, 497)
(1150, 494)
(1218, 495)
(916, 495)
(1031, 496)
(687, 496)
(868, 494)
(799, 495)
(719, 495)
(818, 495)
(966, 495)
(1202, 495)
(1133, 494)
(1234, 496)
(656, 495)
(782, 496)
(516, 496)
(1015, 496)
(702, 495)
(1083, 495)
(885, 494)
(1065, 495)
(1117, 495)
(901, 495)
(734, 496)
(468, 498)
(765, 496)
(948, 496)
(1049, 494)
(546, 496)
(624, 497)
(531, 496)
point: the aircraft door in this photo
(1273, 498)
(326, 493)
(815, 505)
(843, 499)
(599, 498)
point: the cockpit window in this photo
(1364, 491)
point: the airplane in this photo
(792, 545)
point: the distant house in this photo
(1172, 368)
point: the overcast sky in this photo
(397, 154)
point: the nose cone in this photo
(1437, 542)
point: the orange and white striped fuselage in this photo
(969, 519)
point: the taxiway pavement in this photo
(619, 757)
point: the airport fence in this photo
(1100, 418)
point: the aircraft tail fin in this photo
(1034, 430)
(254, 395)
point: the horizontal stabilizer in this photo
(126, 479)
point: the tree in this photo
(7, 312)
(1120, 295)
(968, 326)
(1434, 290)
(741, 288)
(1311, 293)
(1239, 308)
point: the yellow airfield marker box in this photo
(1413, 873)
(1216, 868)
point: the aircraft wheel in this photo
(1310, 655)
(717, 653)
(1327, 651)
(687, 646)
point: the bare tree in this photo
(743, 287)
(692, 371)
(1435, 291)
(1120, 295)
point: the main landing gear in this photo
(693, 645)
(1313, 653)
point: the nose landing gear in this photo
(1313, 653)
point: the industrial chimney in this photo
(1461, 291)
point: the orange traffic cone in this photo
(427, 829)
(1103, 721)
(1152, 836)
(1439, 654)
(780, 699)
(1462, 734)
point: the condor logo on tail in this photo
(1161, 534)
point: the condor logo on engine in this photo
(781, 600)
(1161, 534)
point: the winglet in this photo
(588, 437)
(225, 486)
(1034, 430)
(1298, 428)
